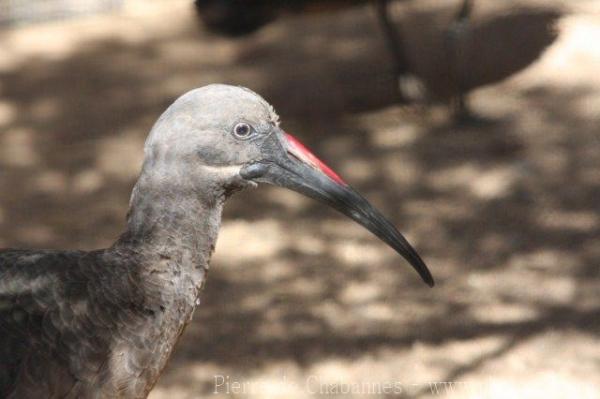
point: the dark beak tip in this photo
(300, 170)
(426, 276)
(429, 281)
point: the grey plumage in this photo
(77, 324)
(102, 324)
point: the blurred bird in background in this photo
(441, 50)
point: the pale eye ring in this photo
(242, 130)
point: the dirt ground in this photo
(301, 302)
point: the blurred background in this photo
(473, 124)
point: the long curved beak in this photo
(288, 163)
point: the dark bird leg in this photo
(409, 87)
(393, 39)
(458, 59)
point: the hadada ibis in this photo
(441, 53)
(102, 324)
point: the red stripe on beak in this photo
(297, 149)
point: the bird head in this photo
(231, 138)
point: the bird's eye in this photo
(242, 130)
